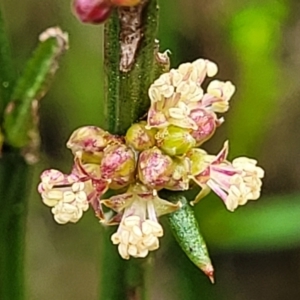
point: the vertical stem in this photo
(6, 68)
(112, 277)
(14, 174)
(137, 279)
(130, 60)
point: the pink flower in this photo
(235, 183)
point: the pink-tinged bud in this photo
(174, 140)
(125, 2)
(154, 168)
(140, 138)
(91, 139)
(92, 11)
(207, 122)
(118, 166)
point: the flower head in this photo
(174, 94)
(66, 194)
(235, 183)
(139, 229)
(178, 99)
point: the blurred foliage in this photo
(255, 250)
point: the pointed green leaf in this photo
(21, 113)
(186, 231)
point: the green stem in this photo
(14, 182)
(137, 278)
(131, 66)
(7, 71)
(112, 283)
(129, 63)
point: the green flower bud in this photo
(174, 140)
(140, 138)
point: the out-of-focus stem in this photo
(137, 279)
(113, 268)
(6, 68)
(14, 185)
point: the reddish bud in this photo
(92, 11)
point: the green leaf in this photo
(20, 117)
(186, 231)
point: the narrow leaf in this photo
(21, 117)
(186, 231)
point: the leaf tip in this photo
(209, 272)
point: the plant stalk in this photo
(14, 187)
(130, 64)
(7, 73)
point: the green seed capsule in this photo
(186, 231)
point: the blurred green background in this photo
(255, 251)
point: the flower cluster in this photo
(160, 153)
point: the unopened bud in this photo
(174, 140)
(154, 168)
(91, 139)
(92, 11)
(207, 123)
(118, 166)
(140, 138)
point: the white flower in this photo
(66, 194)
(173, 95)
(139, 229)
(136, 237)
(218, 95)
(235, 183)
